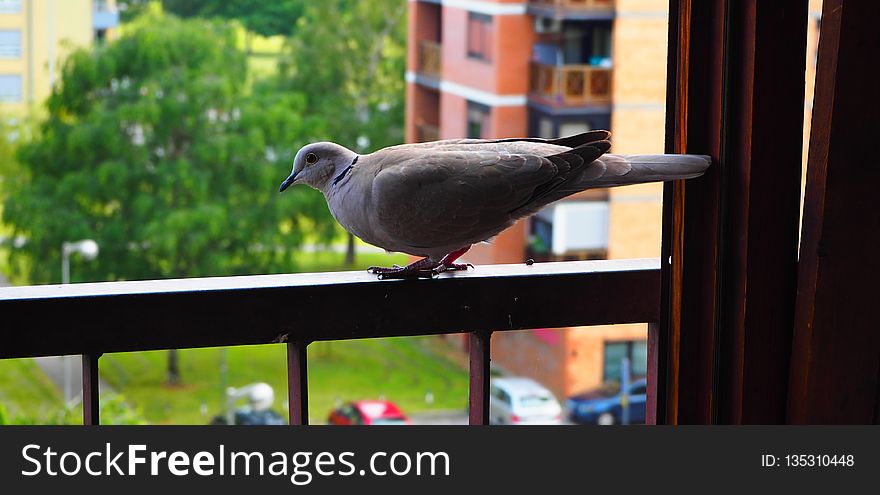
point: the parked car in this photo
(368, 412)
(603, 406)
(520, 401)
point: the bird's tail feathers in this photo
(651, 168)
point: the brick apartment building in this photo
(549, 68)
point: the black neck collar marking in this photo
(345, 172)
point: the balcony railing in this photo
(91, 319)
(576, 4)
(429, 58)
(427, 132)
(571, 85)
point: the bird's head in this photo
(317, 164)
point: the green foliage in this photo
(267, 18)
(349, 57)
(153, 148)
(114, 411)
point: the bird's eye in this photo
(311, 158)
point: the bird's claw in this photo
(406, 274)
(398, 272)
(383, 269)
(452, 267)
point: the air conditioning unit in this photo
(579, 226)
(547, 25)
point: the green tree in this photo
(152, 148)
(267, 18)
(352, 69)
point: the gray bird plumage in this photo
(433, 199)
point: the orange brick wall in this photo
(457, 66)
(513, 51)
(522, 353)
(584, 353)
(453, 116)
(566, 361)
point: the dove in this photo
(435, 200)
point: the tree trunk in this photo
(173, 368)
(349, 251)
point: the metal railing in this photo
(571, 84)
(577, 4)
(96, 318)
(428, 132)
(430, 58)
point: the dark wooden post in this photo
(478, 396)
(90, 392)
(732, 235)
(835, 366)
(762, 157)
(297, 383)
(691, 213)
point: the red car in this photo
(368, 412)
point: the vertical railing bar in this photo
(478, 395)
(90, 392)
(297, 383)
(655, 381)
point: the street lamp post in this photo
(88, 249)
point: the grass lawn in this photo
(400, 369)
(26, 391)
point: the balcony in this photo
(429, 58)
(428, 132)
(573, 9)
(91, 319)
(570, 85)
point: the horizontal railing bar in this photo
(224, 311)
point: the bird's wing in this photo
(510, 144)
(430, 198)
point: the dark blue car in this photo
(603, 406)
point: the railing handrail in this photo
(430, 43)
(583, 4)
(222, 311)
(429, 57)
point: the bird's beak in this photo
(287, 182)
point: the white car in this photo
(522, 401)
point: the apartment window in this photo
(10, 6)
(637, 353)
(600, 53)
(10, 88)
(10, 43)
(477, 120)
(479, 36)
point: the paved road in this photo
(440, 418)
